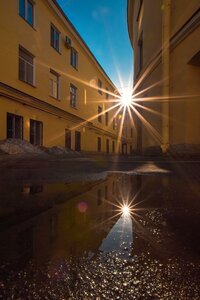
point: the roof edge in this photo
(84, 43)
(130, 13)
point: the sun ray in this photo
(150, 110)
(120, 129)
(86, 83)
(165, 98)
(148, 126)
(131, 118)
(114, 116)
(95, 116)
(148, 88)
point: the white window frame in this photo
(55, 84)
(107, 95)
(99, 86)
(74, 58)
(53, 42)
(100, 110)
(73, 96)
(25, 17)
(25, 64)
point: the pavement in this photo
(73, 167)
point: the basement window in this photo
(36, 132)
(14, 126)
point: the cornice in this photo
(62, 16)
(25, 99)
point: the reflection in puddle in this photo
(68, 241)
(120, 237)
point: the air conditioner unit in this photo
(68, 42)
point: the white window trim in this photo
(26, 12)
(58, 84)
(34, 81)
(59, 38)
(76, 95)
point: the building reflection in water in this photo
(60, 220)
(47, 222)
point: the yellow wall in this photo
(15, 31)
(169, 67)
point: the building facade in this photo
(53, 92)
(166, 42)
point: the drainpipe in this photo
(165, 72)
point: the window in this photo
(54, 84)
(113, 146)
(99, 144)
(99, 114)
(55, 38)
(140, 15)
(140, 51)
(131, 132)
(100, 86)
(73, 96)
(107, 95)
(74, 58)
(114, 124)
(68, 139)
(26, 66)
(36, 132)
(107, 118)
(26, 11)
(107, 146)
(14, 126)
(77, 141)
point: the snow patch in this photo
(18, 146)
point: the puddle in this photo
(71, 241)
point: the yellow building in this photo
(52, 89)
(165, 36)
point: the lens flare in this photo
(125, 210)
(126, 97)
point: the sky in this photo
(103, 26)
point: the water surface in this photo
(70, 241)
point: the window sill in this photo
(75, 68)
(54, 98)
(31, 84)
(56, 50)
(32, 26)
(74, 107)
